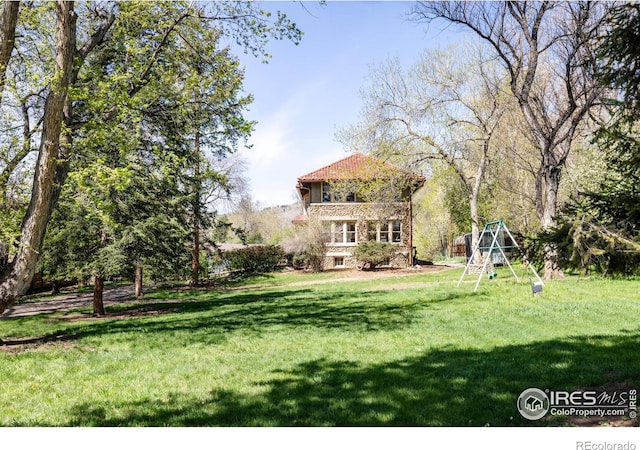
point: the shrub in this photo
(308, 248)
(371, 254)
(255, 259)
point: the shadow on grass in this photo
(208, 320)
(447, 387)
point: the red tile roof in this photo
(354, 167)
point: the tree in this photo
(600, 228)
(152, 156)
(446, 108)
(158, 28)
(548, 50)
(111, 222)
(307, 244)
(17, 276)
(214, 108)
(8, 22)
(619, 55)
(435, 228)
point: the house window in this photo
(327, 232)
(374, 230)
(340, 232)
(386, 231)
(338, 261)
(326, 193)
(350, 232)
(337, 232)
(396, 231)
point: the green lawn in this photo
(412, 350)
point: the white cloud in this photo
(291, 140)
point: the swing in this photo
(494, 230)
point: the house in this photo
(359, 198)
(533, 404)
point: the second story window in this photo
(339, 196)
(326, 193)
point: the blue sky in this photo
(306, 92)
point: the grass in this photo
(412, 350)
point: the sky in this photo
(305, 93)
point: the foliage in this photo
(446, 109)
(105, 225)
(312, 258)
(371, 254)
(548, 50)
(619, 53)
(587, 242)
(132, 89)
(616, 200)
(254, 259)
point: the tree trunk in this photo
(195, 247)
(98, 294)
(16, 278)
(475, 227)
(55, 287)
(4, 255)
(138, 281)
(550, 203)
(8, 22)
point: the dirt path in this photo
(113, 295)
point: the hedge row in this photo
(255, 259)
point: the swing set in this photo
(495, 231)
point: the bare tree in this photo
(547, 49)
(447, 107)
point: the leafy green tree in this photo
(155, 158)
(434, 228)
(618, 196)
(127, 44)
(116, 221)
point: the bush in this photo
(371, 254)
(253, 260)
(307, 247)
